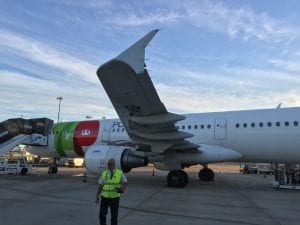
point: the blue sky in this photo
(208, 56)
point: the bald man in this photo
(112, 183)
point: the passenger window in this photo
(177, 127)
(189, 126)
(295, 123)
(277, 124)
(208, 126)
(261, 124)
(286, 123)
(195, 127)
(113, 130)
(118, 130)
(237, 125)
(245, 125)
(183, 127)
(202, 126)
(122, 129)
(252, 124)
(269, 124)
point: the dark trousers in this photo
(113, 204)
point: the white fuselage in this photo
(265, 135)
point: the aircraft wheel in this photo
(52, 170)
(185, 175)
(206, 174)
(24, 171)
(177, 178)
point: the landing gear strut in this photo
(206, 174)
(53, 168)
(177, 178)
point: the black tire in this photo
(50, 170)
(55, 169)
(23, 171)
(206, 175)
(185, 175)
(176, 179)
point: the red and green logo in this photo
(72, 136)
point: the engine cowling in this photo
(97, 156)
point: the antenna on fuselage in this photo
(279, 106)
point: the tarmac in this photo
(64, 199)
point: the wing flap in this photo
(157, 118)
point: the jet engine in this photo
(97, 156)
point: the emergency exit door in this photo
(220, 128)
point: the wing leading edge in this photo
(132, 93)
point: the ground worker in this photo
(112, 183)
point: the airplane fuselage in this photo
(265, 135)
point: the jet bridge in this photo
(24, 131)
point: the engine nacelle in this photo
(97, 156)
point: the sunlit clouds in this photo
(208, 56)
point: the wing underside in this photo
(132, 93)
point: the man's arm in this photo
(99, 189)
(124, 183)
(123, 186)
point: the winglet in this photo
(135, 54)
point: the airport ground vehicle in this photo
(247, 168)
(14, 167)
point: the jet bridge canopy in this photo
(21, 131)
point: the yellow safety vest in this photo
(110, 185)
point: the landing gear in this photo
(206, 174)
(177, 178)
(52, 169)
(23, 171)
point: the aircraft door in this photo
(105, 137)
(220, 128)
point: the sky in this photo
(208, 55)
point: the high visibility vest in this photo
(110, 185)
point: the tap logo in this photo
(85, 132)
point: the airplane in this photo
(146, 132)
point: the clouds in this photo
(213, 56)
(34, 97)
(33, 50)
(234, 21)
(51, 72)
(239, 22)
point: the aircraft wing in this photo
(131, 91)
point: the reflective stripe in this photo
(110, 184)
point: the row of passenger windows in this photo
(183, 127)
(118, 130)
(268, 124)
(237, 125)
